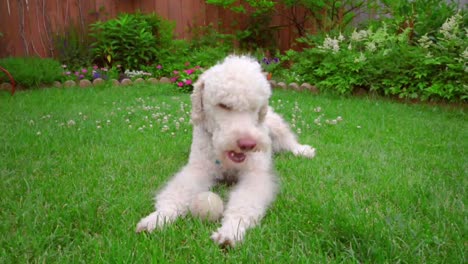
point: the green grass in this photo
(79, 168)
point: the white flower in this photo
(360, 35)
(425, 42)
(361, 58)
(318, 109)
(341, 37)
(370, 46)
(339, 119)
(448, 29)
(464, 54)
(71, 123)
(330, 44)
(38, 133)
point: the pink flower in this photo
(77, 73)
(180, 84)
(84, 70)
(159, 67)
(176, 72)
(95, 67)
(81, 76)
(104, 69)
(188, 82)
(189, 71)
(68, 73)
(173, 79)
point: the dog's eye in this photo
(225, 107)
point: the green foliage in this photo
(328, 15)
(131, 40)
(422, 16)
(72, 47)
(257, 32)
(386, 62)
(31, 71)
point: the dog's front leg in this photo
(174, 199)
(247, 205)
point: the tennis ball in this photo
(207, 206)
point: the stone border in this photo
(126, 82)
(294, 86)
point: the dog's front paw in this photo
(153, 221)
(227, 237)
(304, 150)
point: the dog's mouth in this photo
(236, 156)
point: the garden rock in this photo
(85, 83)
(115, 82)
(294, 86)
(281, 85)
(69, 83)
(273, 83)
(57, 84)
(165, 80)
(309, 87)
(98, 81)
(139, 80)
(6, 86)
(153, 80)
(126, 82)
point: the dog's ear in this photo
(197, 102)
(262, 113)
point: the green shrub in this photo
(31, 71)
(130, 40)
(72, 48)
(386, 62)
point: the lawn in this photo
(79, 168)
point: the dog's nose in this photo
(246, 144)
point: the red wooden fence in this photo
(28, 26)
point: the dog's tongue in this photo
(236, 157)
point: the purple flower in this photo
(159, 67)
(81, 76)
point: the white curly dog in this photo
(234, 135)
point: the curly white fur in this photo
(234, 135)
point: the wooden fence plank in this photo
(28, 27)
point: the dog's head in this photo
(230, 101)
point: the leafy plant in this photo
(72, 47)
(184, 79)
(384, 60)
(257, 32)
(131, 40)
(31, 71)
